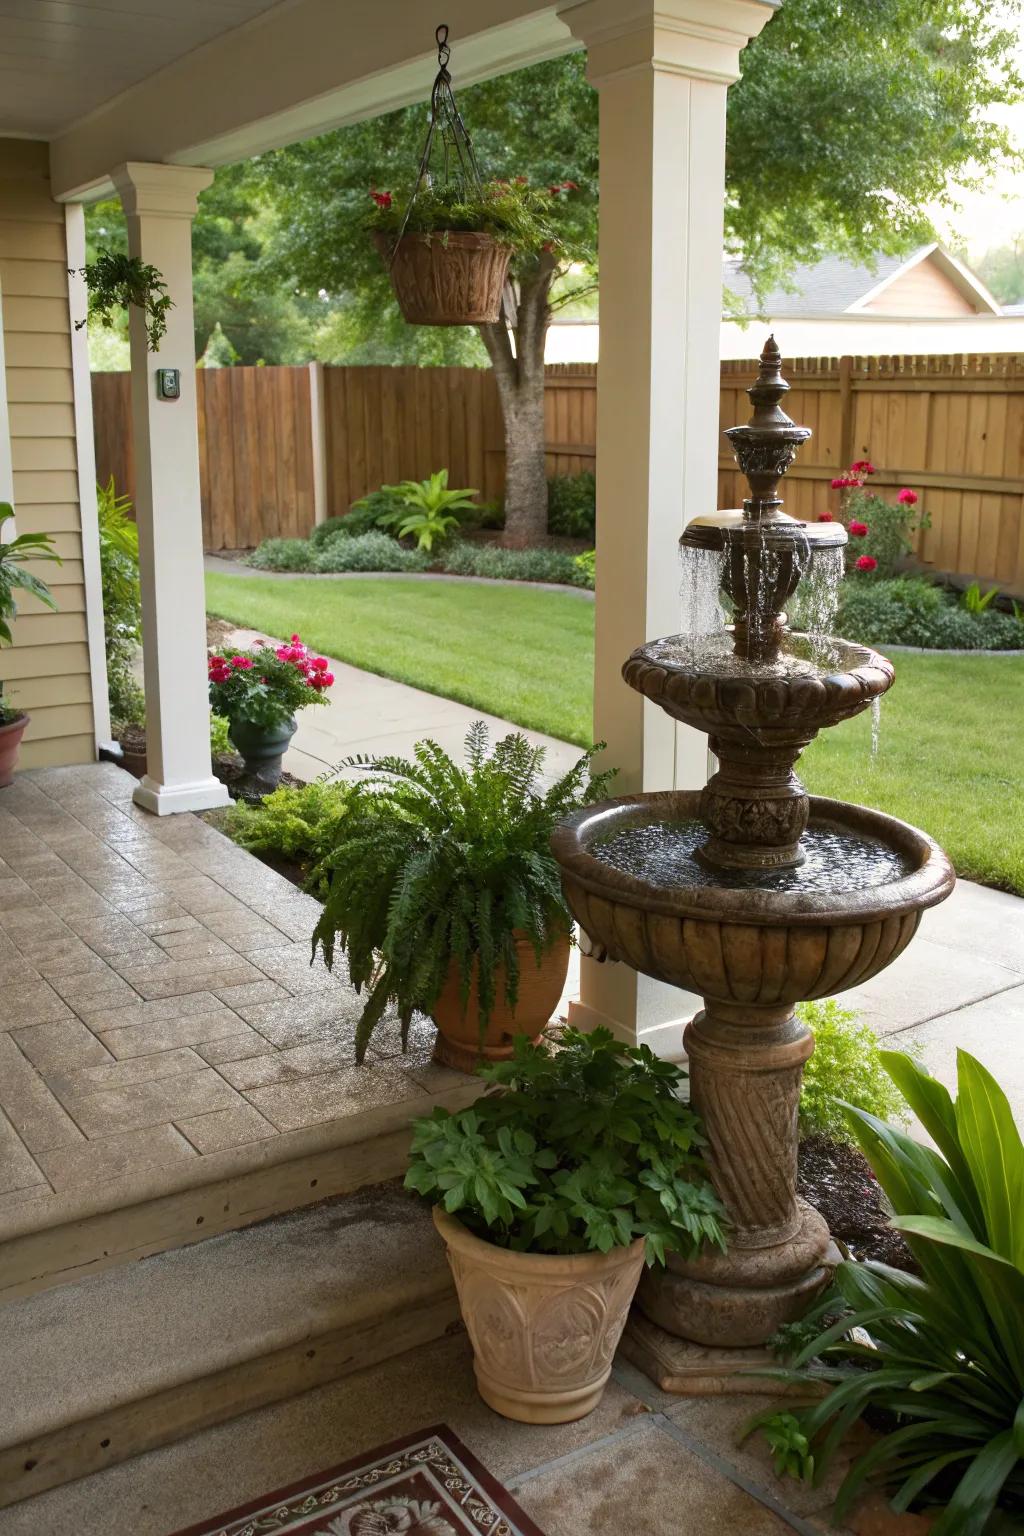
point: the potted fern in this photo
(549, 1192)
(14, 554)
(442, 891)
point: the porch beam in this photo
(160, 203)
(661, 69)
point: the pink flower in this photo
(846, 482)
(858, 529)
(825, 517)
(321, 680)
(319, 663)
(217, 661)
(863, 467)
(242, 663)
(867, 563)
(382, 199)
(907, 498)
(219, 674)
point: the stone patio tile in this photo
(30, 1194)
(252, 992)
(185, 976)
(154, 927)
(984, 922)
(291, 967)
(63, 1044)
(168, 1034)
(33, 1002)
(307, 1018)
(299, 1061)
(154, 1102)
(245, 1042)
(246, 934)
(100, 1017)
(928, 979)
(992, 1030)
(109, 1157)
(194, 945)
(94, 989)
(68, 1084)
(18, 1169)
(30, 1106)
(13, 892)
(69, 959)
(651, 1484)
(312, 1100)
(226, 1128)
(14, 916)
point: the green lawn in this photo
(951, 757)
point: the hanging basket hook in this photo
(444, 53)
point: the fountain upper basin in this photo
(738, 940)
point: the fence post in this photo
(845, 413)
(318, 432)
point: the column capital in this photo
(172, 191)
(699, 38)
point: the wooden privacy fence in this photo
(281, 446)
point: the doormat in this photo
(428, 1484)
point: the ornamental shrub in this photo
(572, 505)
(368, 552)
(514, 564)
(297, 823)
(265, 685)
(282, 555)
(880, 531)
(846, 1068)
(909, 610)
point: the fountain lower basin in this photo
(732, 937)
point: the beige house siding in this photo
(924, 290)
(47, 671)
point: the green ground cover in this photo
(951, 752)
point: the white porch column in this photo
(160, 203)
(662, 69)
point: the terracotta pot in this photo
(544, 1327)
(447, 278)
(459, 1042)
(262, 748)
(10, 743)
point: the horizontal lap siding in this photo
(46, 672)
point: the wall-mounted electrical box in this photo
(168, 384)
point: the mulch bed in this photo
(837, 1180)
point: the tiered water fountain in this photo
(749, 891)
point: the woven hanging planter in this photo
(446, 276)
(449, 277)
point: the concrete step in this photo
(141, 1355)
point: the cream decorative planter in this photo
(544, 1327)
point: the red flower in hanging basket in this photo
(867, 563)
(825, 517)
(382, 199)
(858, 529)
(907, 497)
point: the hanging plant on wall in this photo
(448, 249)
(116, 281)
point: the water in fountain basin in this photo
(713, 656)
(702, 578)
(661, 853)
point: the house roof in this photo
(835, 286)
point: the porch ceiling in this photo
(223, 79)
(64, 58)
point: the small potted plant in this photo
(258, 691)
(448, 250)
(14, 577)
(550, 1191)
(443, 891)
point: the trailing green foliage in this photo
(909, 610)
(584, 1148)
(14, 555)
(846, 1069)
(297, 823)
(435, 864)
(122, 603)
(115, 281)
(510, 211)
(572, 505)
(943, 1357)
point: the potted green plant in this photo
(549, 1192)
(443, 892)
(448, 249)
(258, 691)
(14, 553)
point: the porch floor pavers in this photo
(160, 1022)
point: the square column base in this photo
(665, 1039)
(168, 799)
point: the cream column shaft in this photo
(160, 203)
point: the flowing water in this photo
(712, 656)
(876, 726)
(661, 853)
(699, 591)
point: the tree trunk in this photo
(520, 379)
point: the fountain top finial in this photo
(767, 445)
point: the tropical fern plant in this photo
(14, 553)
(938, 1358)
(435, 864)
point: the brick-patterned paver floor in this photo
(157, 1003)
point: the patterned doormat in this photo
(428, 1484)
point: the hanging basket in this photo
(447, 277)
